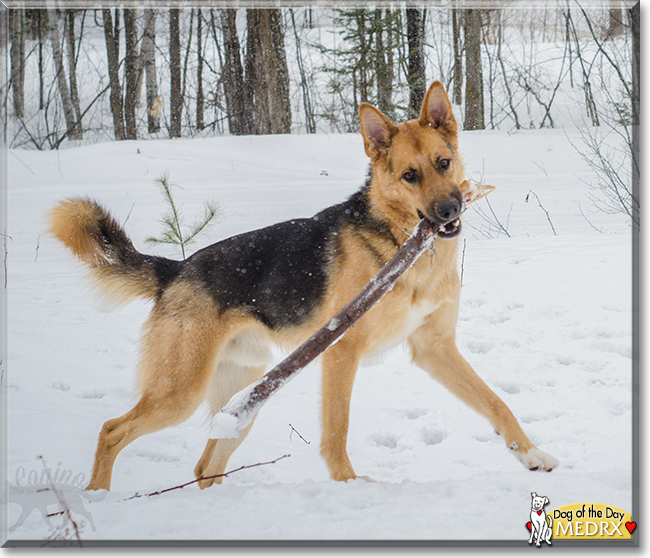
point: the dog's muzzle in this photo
(444, 217)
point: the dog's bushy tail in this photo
(120, 272)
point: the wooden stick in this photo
(244, 405)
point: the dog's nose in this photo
(448, 210)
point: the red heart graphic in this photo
(539, 512)
(530, 526)
(631, 526)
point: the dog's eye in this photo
(443, 164)
(410, 176)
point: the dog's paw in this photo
(537, 460)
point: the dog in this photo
(216, 313)
(539, 524)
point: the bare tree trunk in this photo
(68, 111)
(474, 107)
(458, 57)
(186, 58)
(416, 73)
(615, 21)
(310, 121)
(72, 68)
(112, 51)
(251, 79)
(40, 15)
(238, 102)
(635, 29)
(176, 100)
(148, 54)
(270, 86)
(384, 62)
(17, 37)
(131, 74)
(363, 69)
(199, 71)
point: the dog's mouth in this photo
(444, 230)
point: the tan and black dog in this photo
(216, 313)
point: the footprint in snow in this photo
(413, 414)
(386, 440)
(479, 347)
(92, 395)
(431, 437)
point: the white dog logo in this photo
(540, 526)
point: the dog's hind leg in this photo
(181, 340)
(229, 378)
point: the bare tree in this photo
(458, 56)
(416, 67)
(40, 32)
(131, 74)
(310, 120)
(199, 71)
(383, 28)
(148, 55)
(17, 38)
(634, 15)
(73, 127)
(474, 106)
(71, 42)
(267, 75)
(238, 111)
(616, 27)
(612, 148)
(176, 100)
(111, 34)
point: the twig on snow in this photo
(299, 434)
(201, 478)
(62, 502)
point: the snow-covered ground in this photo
(545, 319)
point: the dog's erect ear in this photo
(437, 112)
(533, 494)
(377, 131)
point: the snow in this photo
(545, 320)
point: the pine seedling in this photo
(174, 231)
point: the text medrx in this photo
(589, 529)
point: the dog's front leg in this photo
(532, 532)
(435, 351)
(339, 370)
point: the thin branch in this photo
(462, 263)
(62, 502)
(300, 435)
(588, 221)
(202, 478)
(543, 209)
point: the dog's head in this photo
(538, 502)
(416, 167)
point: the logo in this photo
(58, 496)
(582, 521)
(540, 522)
